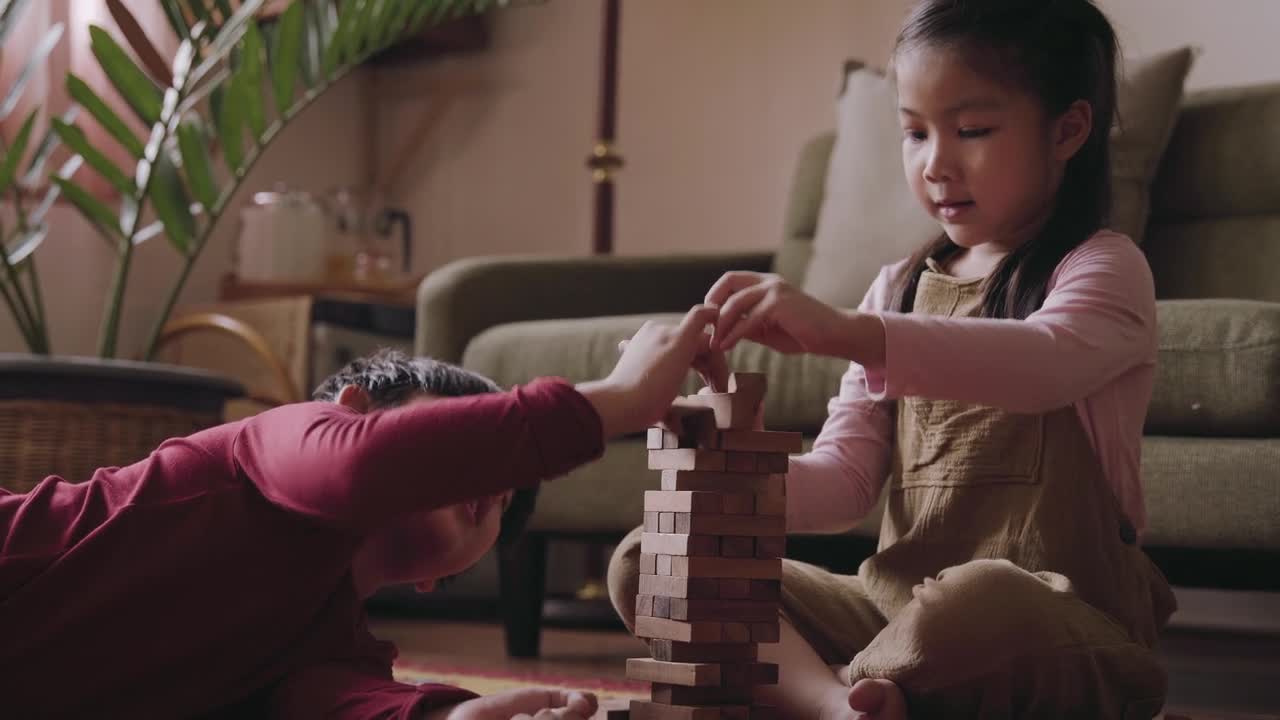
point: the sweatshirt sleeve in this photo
(1097, 322)
(830, 488)
(341, 692)
(357, 470)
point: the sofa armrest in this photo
(466, 297)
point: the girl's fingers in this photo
(695, 323)
(749, 324)
(730, 283)
(735, 311)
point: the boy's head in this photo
(390, 378)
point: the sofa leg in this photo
(522, 569)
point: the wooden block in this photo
(661, 606)
(657, 438)
(723, 567)
(756, 483)
(749, 383)
(670, 651)
(733, 588)
(766, 525)
(738, 503)
(687, 459)
(645, 710)
(761, 712)
(617, 713)
(735, 712)
(651, 522)
(666, 567)
(765, 632)
(694, 424)
(682, 501)
(771, 462)
(648, 563)
(747, 674)
(761, 441)
(678, 630)
(667, 522)
(671, 673)
(644, 605)
(683, 695)
(733, 546)
(770, 505)
(764, 589)
(771, 547)
(673, 544)
(740, 462)
(679, 587)
(735, 632)
(728, 610)
(737, 412)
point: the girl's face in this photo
(980, 156)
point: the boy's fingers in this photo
(695, 322)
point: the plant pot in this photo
(69, 416)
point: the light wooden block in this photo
(673, 544)
(657, 438)
(771, 547)
(755, 483)
(732, 546)
(723, 567)
(682, 501)
(732, 412)
(667, 694)
(644, 605)
(651, 522)
(758, 525)
(678, 630)
(679, 587)
(666, 567)
(728, 610)
(698, 459)
(648, 563)
(671, 673)
(670, 651)
(770, 504)
(738, 503)
(667, 522)
(761, 441)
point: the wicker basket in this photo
(68, 417)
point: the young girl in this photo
(999, 378)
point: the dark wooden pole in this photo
(604, 162)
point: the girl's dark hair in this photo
(1060, 51)
(391, 377)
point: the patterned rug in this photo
(612, 693)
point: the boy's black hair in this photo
(391, 377)
(1060, 51)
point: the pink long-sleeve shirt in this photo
(1092, 346)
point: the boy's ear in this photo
(1072, 129)
(354, 397)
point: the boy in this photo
(224, 575)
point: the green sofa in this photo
(1211, 458)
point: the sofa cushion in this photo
(869, 218)
(586, 349)
(1218, 372)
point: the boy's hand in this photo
(524, 704)
(649, 373)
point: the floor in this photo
(1214, 675)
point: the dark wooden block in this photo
(723, 567)
(738, 503)
(761, 441)
(728, 610)
(662, 607)
(765, 589)
(771, 547)
(735, 546)
(671, 651)
(697, 524)
(748, 674)
(772, 462)
(734, 588)
(682, 695)
(740, 462)
(765, 632)
(771, 505)
(756, 483)
(645, 710)
(735, 632)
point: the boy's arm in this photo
(355, 470)
(347, 692)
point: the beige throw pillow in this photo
(869, 218)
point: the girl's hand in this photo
(523, 704)
(768, 310)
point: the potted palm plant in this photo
(233, 85)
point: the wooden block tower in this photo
(710, 563)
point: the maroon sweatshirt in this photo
(213, 579)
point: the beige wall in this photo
(716, 98)
(325, 147)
